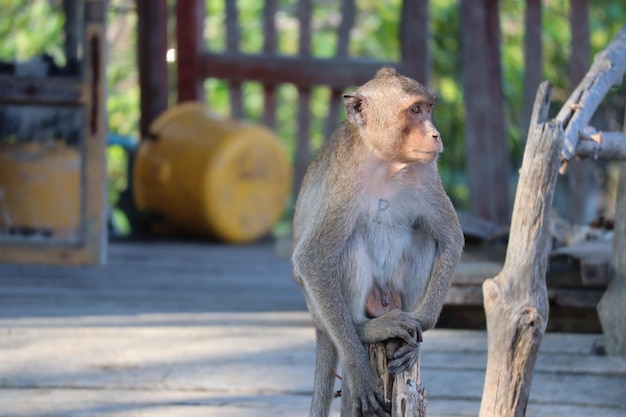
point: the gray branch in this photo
(607, 71)
(601, 145)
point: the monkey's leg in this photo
(346, 398)
(324, 381)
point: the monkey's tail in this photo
(325, 365)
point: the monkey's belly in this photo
(381, 300)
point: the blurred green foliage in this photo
(31, 27)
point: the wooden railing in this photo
(303, 70)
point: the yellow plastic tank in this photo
(211, 176)
(40, 189)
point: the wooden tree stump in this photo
(404, 391)
(516, 300)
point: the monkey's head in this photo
(394, 116)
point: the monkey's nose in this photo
(437, 137)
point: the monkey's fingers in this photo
(371, 407)
(411, 329)
(392, 346)
(404, 359)
(418, 334)
(408, 336)
(381, 405)
(416, 331)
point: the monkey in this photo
(376, 239)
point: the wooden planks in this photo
(126, 261)
(234, 364)
(577, 276)
(190, 329)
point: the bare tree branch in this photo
(607, 71)
(601, 145)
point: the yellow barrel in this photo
(40, 189)
(210, 176)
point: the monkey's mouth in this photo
(433, 154)
(426, 157)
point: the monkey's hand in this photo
(367, 399)
(402, 355)
(394, 324)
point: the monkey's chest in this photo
(386, 246)
(388, 235)
(389, 238)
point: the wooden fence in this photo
(488, 154)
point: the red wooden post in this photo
(303, 145)
(269, 47)
(581, 175)
(532, 56)
(488, 164)
(151, 50)
(189, 39)
(232, 45)
(414, 34)
(335, 104)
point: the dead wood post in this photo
(613, 303)
(516, 300)
(404, 391)
(407, 396)
(608, 69)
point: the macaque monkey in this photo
(376, 239)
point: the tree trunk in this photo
(516, 301)
(407, 396)
(613, 303)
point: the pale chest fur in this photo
(390, 244)
(391, 208)
(387, 232)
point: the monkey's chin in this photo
(426, 157)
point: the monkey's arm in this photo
(448, 235)
(317, 259)
(395, 324)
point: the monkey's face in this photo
(394, 117)
(418, 139)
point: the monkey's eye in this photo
(416, 109)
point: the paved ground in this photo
(187, 330)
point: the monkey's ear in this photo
(354, 108)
